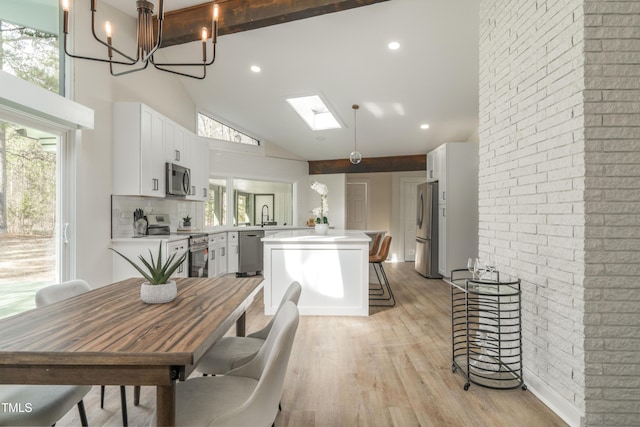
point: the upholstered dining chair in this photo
(245, 396)
(230, 352)
(40, 405)
(65, 290)
(377, 260)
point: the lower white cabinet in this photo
(217, 254)
(179, 247)
(133, 248)
(232, 252)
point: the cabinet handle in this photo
(224, 251)
(444, 212)
(177, 155)
(193, 190)
(204, 192)
(444, 195)
(154, 184)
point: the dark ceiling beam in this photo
(184, 25)
(370, 164)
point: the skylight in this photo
(314, 112)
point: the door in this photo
(409, 191)
(356, 206)
(35, 209)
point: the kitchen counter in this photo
(333, 270)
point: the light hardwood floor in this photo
(392, 368)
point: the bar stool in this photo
(378, 259)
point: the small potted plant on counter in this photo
(158, 288)
(186, 221)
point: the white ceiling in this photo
(432, 78)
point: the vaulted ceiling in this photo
(338, 49)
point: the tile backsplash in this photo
(123, 207)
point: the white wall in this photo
(531, 183)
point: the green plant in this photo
(186, 219)
(154, 270)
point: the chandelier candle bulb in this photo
(214, 24)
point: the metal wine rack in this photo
(486, 330)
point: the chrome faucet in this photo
(262, 215)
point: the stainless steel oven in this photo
(199, 255)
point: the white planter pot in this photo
(158, 294)
(322, 228)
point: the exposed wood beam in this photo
(370, 164)
(183, 25)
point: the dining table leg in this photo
(166, 405)
(241, 325)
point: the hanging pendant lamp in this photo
(355, 157)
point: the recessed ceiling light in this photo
(314, 112)
(255, 68)
(394, 45)
(424, 126)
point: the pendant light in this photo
(355, 157)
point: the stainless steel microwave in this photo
(178, 180)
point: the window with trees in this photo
(212, 128)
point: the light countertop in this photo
(310, 236)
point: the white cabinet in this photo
(232, 252)
(179, 247)
(177, 144)
(217, 254)
(138, 150)
(455, 165)
(199, 169)
(133, 248)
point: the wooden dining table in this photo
(108, 336)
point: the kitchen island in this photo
(333, 270)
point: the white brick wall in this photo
(532, 181)
(560, 193)
(612, 207)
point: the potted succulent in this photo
(158, 288)
(186, 221)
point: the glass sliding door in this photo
(34, 250)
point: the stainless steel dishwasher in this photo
(250, 249)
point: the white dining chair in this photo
(230, 352)
(245, 396)
(40, 405)
(62, 291)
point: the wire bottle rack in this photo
(486, 330)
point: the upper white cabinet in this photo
(177, 141)
(455, 166)
(199, 148)
(143, 142)
(138, 150)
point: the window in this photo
(30, 54)
(211, 128)
(216, 206)
(31, 249)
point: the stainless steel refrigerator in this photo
(427, 230)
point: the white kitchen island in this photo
(333, 270)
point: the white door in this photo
(356, 205)
(409, 195)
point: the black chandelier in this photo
(147, 43)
